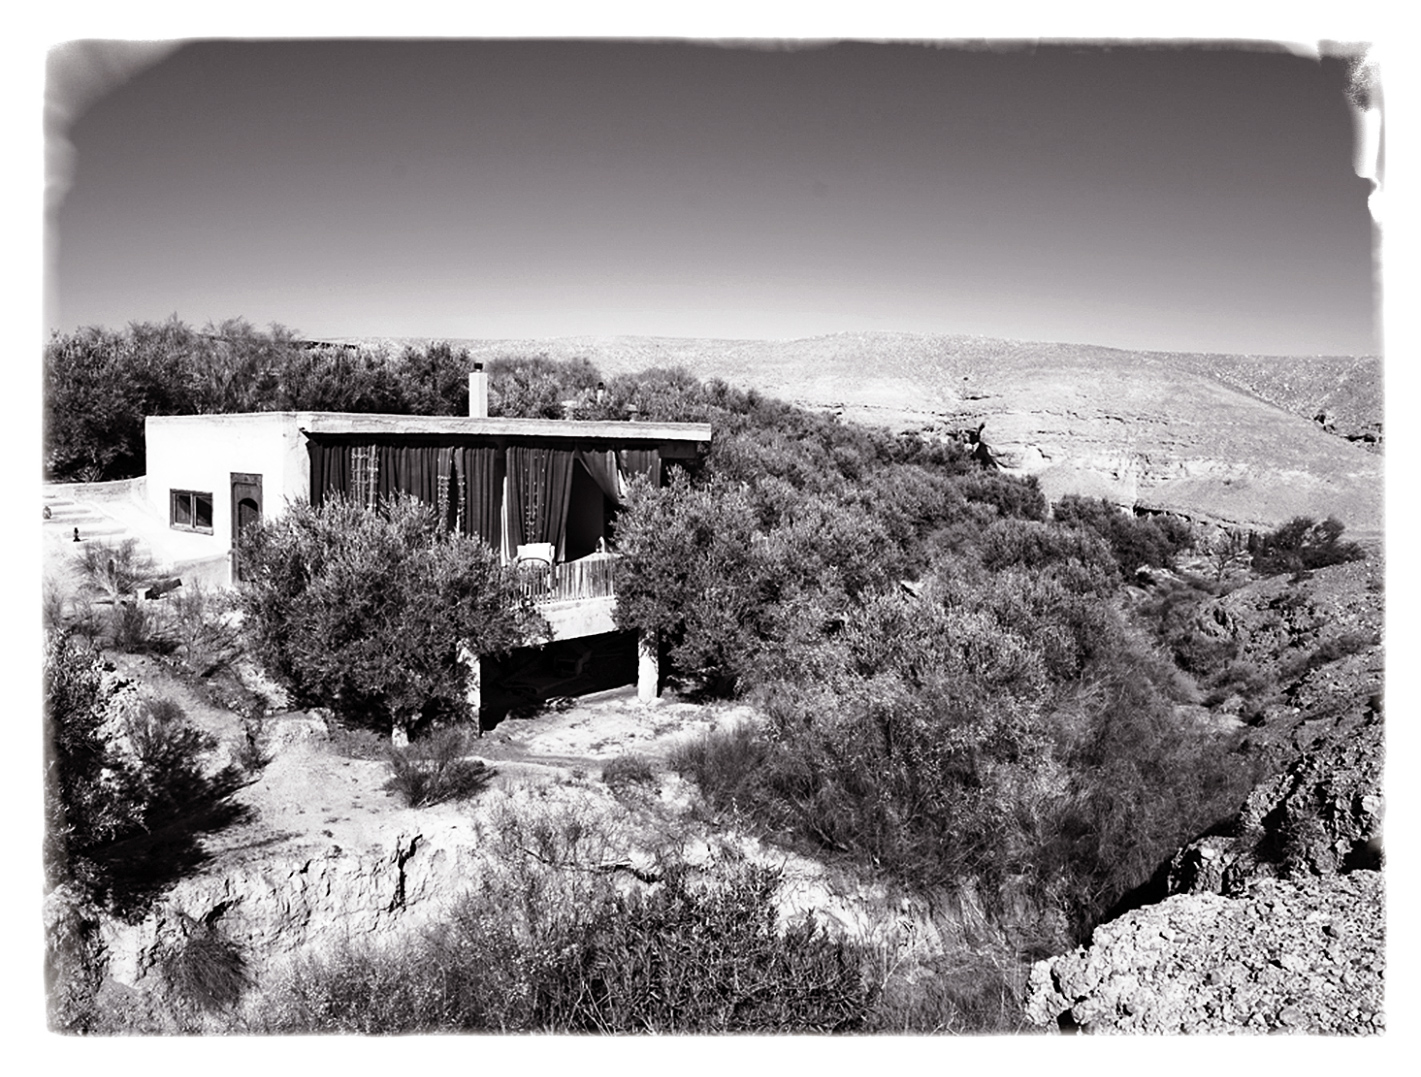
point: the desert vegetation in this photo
(960, 688)
(100, 384)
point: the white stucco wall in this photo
(200, 452)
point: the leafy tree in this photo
(436, 378)
(100, 385)
(334, 378)
(127, 786)
(693, 570)
(368, 612)
(86, 800)
(534, 387)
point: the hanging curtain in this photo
(387, 474)
(642, 462)
(483, 494)
(602, 466)
(540, 482)
(330, 470)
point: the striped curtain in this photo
(483, 494)
(464, 484)
(540, 482)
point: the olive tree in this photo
(370, 612)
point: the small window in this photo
(192, 511)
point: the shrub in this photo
(86, 802)
(133, 629)
(1341, 646)
(1302, 544)
(1172, 613)
(251, 755)
(626, 771)
(435, 769)
(114, 571)
(53, 606)
(167, 752)
(978, 990)
(1033, 545)
(127, 792)
(729, 766)
(1134, 542)
(203, 629)
(74, 960)
(1012, 497)
(690, 956)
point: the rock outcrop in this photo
(1322, 816)
(290, 905)
(1284, 957)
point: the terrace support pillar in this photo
(648, 667)
(473, 686)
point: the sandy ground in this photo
(321, 793)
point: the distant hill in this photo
(1222, 438)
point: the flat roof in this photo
(335, 423)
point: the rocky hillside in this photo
(1274, 921)
(1227, 439)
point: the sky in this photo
(1170, 197)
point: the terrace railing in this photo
(571, 581)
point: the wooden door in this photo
(246, 511)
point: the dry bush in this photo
(206, 968)
(114, 570)
(357, 743)
(204, 631)
(435, 769)
(627, 771)
(689, 955)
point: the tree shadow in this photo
(137, 869)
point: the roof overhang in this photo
(335, 423)
(338, 424)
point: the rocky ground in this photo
(1283, 957)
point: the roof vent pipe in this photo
(478, 392)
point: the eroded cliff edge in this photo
(1274, 924)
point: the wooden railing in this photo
(587, 577)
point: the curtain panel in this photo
(464, 484)
(602, 466)
(539, 484)
(641, 462)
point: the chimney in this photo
(478, 393)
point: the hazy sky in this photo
(1170, 198)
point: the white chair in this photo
(534, 552)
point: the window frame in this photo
(191, 497)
